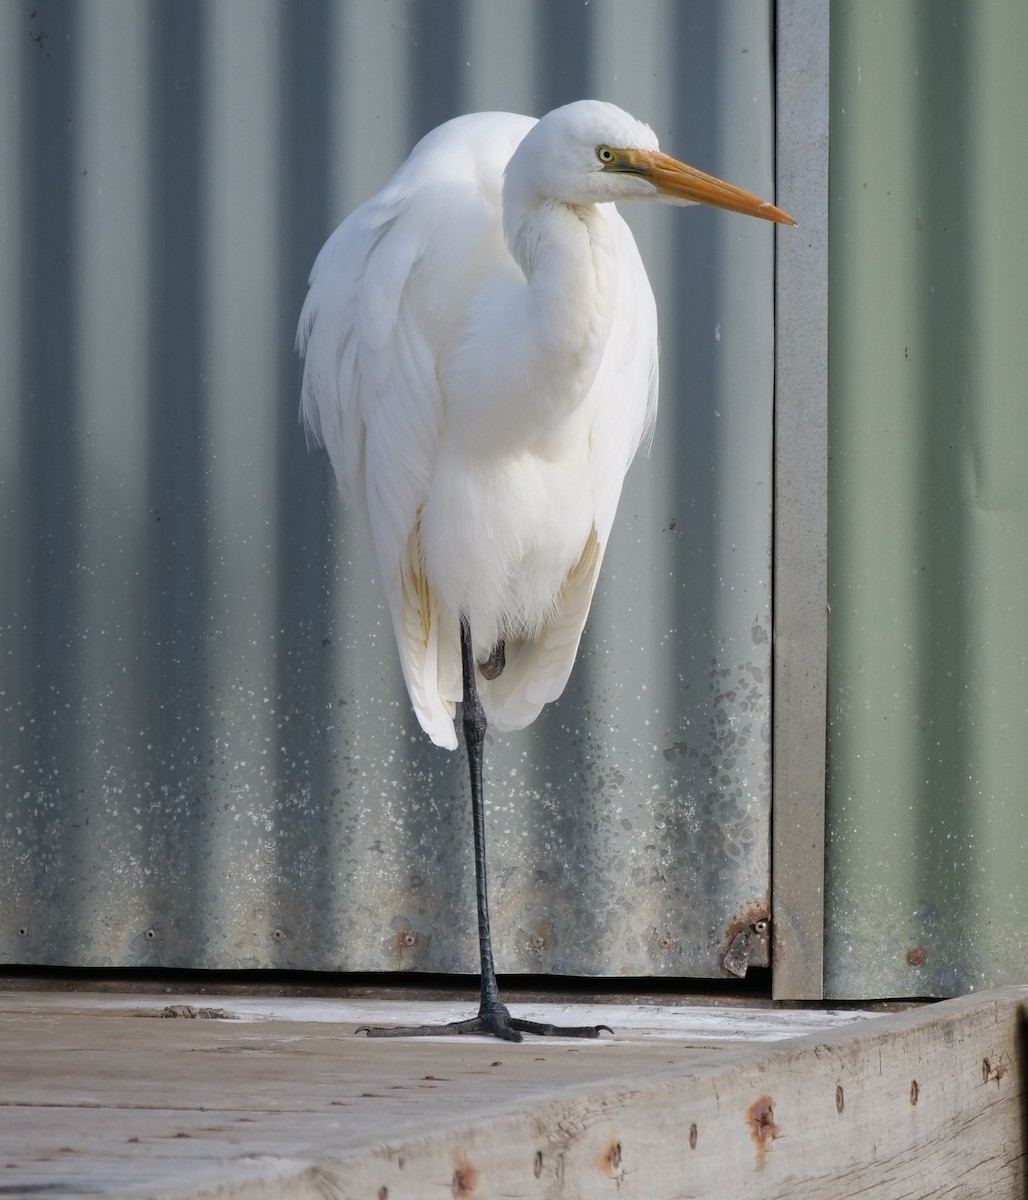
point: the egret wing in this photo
(388, 294)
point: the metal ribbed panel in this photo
(207, 755)
(927, 818)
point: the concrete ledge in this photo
(929, 1102)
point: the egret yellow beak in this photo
(681, 182)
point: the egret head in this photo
(590, 152)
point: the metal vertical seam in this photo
(800, 501)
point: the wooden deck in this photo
(102, 1096)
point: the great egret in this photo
(480, 362)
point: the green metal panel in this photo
(927, 808)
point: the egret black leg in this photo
(493, 1016)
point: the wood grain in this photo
(919, 1104)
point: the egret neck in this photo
(543, 339)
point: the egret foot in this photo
(495, 1020)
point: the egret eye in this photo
(605, 154)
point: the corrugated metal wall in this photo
(207, 755)
(928, 545)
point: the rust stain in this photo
(465, 1178)
(610, 1159)
(540, 938)
(993, 1071)
(916, 957)
(406, 939)
(752, 919)
(753, 915)
(610, 1163)
(763, 1130)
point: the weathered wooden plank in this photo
(96, 1097)
(920, 1104)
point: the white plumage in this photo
(484, 420)
(480, 344)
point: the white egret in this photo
(480, 362)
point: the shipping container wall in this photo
(927, 805)
(207, 758)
